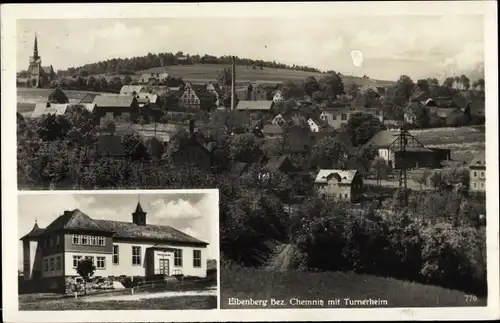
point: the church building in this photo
(118, 249)
(38, 75)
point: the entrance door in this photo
(164, 266)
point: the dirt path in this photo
(139, 296)
(281, 260)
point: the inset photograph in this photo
(119, 250)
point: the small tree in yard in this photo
(86, 270)
(380, 169)
(423, 178)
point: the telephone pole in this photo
(233, 82)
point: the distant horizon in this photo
(423, 46)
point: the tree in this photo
(423, 178)
(245, 148)
(380, 169)
(424, 86)
(405, 86)
(224, 77)
(127, 80)
(465, 81)
(311, 85)
(422, 117)
(362, 127)
(85, 269)
(448, 82)
(291, 90)
(353, 90)
(329, 153)
(334, 84)
(51, 127)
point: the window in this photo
(76, 239)
(58, 240)
(136, 255)
(116, 258)
(76, 260)
(482, 174)
(52, 264)
(346, 196)
(45, 265)
(482, 185)
(101, 241)
(343, 116)
(85, 240)
(101, 263)
(197, 258)
(58, 263)
(475, 174)
(178, 258)
(93, 241)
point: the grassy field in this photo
(464, 142)
(258, 284)
(208, 72)
(167, 303)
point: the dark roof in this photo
(272, 129)
(89, 98)
(383, 139)
(34, 233)
(202, 93)
(122, 101)
(138, 208)
(110, 145)
(75, 220)
(274, 163)
(237, 168)
(130, 230)
(255, 105)
(58, 96)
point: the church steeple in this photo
(139, 216)
(35, 49)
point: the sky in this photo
(418, 46)
(193, 214)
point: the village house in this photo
(132, 89)
(477, 176)
(338, 184)
(416, 155)
(274, 164)
(215, 89)
(278, 119)
(261, 91)
(49, 108)
(256, 106)
(278, 96)
(313, 125)
(115, 105)
(117, 248)
(336, 118)
(153, 78)
(196, 96)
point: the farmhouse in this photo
(132, 89)
(346, 185)
(49, 108)
(388, 145)
(115, 105)
(256, 106)
(477, 176)
(336, 118)
(117, 248)
(197, 96)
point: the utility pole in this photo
(233, 82)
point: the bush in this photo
(128, 282)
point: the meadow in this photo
(202, 73)
(245, 283)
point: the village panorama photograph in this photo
(118, 251)
(349, 153)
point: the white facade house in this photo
(278, 97)
(312, 125)
(116, 248)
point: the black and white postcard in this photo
(352, 148)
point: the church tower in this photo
(139, 216)
(35, 66)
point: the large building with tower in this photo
(38, 75)
(117, 248)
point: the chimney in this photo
(67, 213)
(233, 82)
(191, 127)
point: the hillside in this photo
(260, 284)
(203, 73)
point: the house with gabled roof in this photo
(115, 105)
(196, 96)
(116, 248)
(255, 106)
(389, 145)
(339, 184)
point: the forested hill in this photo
(132, 65)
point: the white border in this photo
(9, 14)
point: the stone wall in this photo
(76, 284)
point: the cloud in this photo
(175, 210)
